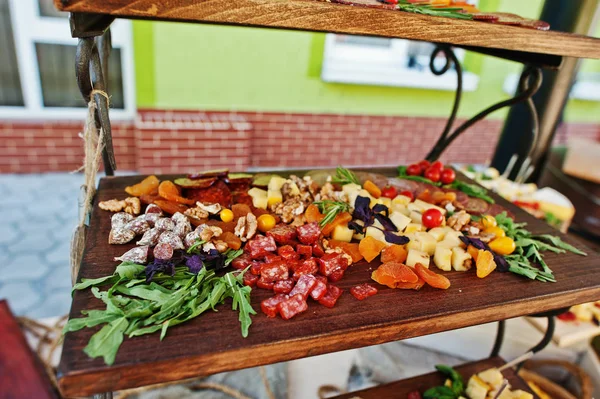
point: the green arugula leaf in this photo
(94, 318)
(129, 270)
(106, 342)
(241, 300)
(472, 190)
(91, 282)
(231, 255)
(145, 292)
(195, 246)
(441, 392)
(556, 241)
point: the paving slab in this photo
(21, 296)
(24, 267)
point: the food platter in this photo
(212, 343)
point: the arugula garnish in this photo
(174, 296)
(472, 190)
(428, 9)
(344, 176)
(331, 209)
(456, 389)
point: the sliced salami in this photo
(476, 206)
(218, 193)
(165, 224)
(137, 255)
(151, 218)
(182, 229)
(283, 234)
(150, 237)
(163, 251)
(309, 233)
(139, 225)
(120, 236)
(120, 219)
(179, 217)
(496, 209)
(153, 209)
(172, 239)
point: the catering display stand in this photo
(212, 344)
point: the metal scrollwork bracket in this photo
(530, 82)
(91, 69)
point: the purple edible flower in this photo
(194, 263)
(394, 239)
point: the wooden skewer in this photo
(516, 361)
(510, 166)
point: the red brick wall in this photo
(179, 141)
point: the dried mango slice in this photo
(394, 253)
(370, 248)
(145, 187)
(169, 191)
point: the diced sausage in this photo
(260, 246)
(292, 306)
(332, 262)
(250, 279)
(331, 296)
(273, 272)
(309, 233)
(283, 286)
(287, 253)
(304, 251)
(363, 291)
(255, 268)
(241, 262)
(304, 285)
(307, 266)
(265, 285)
(283, 234)
(272, 258)
(319, 289)
(269, 306)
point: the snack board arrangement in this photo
(303, 260)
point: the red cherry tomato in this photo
(432, 218)
(413, 170)
(389, 192)
(432, 174)
(424, 164)
(447, 176)
(437, 165)
(408, 194)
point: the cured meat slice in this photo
(255, 267)
(269, 306)
(191, 238)
(377, 178)
(218, 193)
(165, 224)
(271, 258)
(283, 234)
(309, 233)
(319, 289)
(332, 262)
(120, 219)
(150, 237)
(476, 206)
(307, 266)
(260, 246)
(317, 249)
(496, 209)
(151, 218)
(292, 306)
(304, 251)
(120, 236)
(137, 255)
(304, 285)
(273, 272)
(283, 286)
(336, 275)
(241, 262)
(265, 285)
(163, 251)
(287, 253)
(172, 239)
(138, 225)
(331, 296)
(153, 208)
(363, 291)
(402, 184)
(250, 279)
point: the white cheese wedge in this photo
(443, 258)
(401, 200)
(461, 259)
(427, 242)
(476, 389)
(400, 220)
(415, 256)
(342, 233)
(259, 197)
(423, 206)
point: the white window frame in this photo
(585, 88)
(28, 28)
(370, 65)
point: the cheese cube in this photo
(259, 197)
(519, 394)
(423, 206)
(350, 188)
(451, 239)
(375, 233)
(294, 190)
(274, 197)
(358, 236)
(416, 217)
(385, 201)
(401, 200)
(415, 256)
(413, 228)
(342, 233)
(476, 389)
(414, 207)
(427, 242)
(438, 233)
(402, 209)
(276, 183)
(443, 258)
(461, 260)
(492, 377)
(400, 220)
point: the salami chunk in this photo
(255, 267)
(150, 237)
(138, 225)
(363, 291)
(332, 262)
(319, 289)
(496, 209)
(309, 233)
(269, 306)
(304, 285)
(305, 251)
(241, 262)
(250, 279)
(260, 246)
(137, 255)
(283, 286)
(265, 285)
(476, 206)
(119, 220)
(272, 258)
(191, 238)
(283, 234)
(163, 251)
(273, 272)
(331, 296)
(317, 249)
(172, 239)
(292, 306)
(307, 266)
(287, 253)
(153, 209)
(151, 218)
(179, 217)
(165, 224)
(336, 275)
(218, 193)
(120, 236)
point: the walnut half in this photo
(246, 227)
(130, 205)
(459, 220)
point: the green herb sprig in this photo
(331, 209)
(456, 389)
(134, 307)
(472, 190)
(428, 9)
(344, 176)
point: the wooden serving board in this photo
(401, 389)
(212, 343)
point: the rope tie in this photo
(93, 144)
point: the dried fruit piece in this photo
(240, 210)
(370, 248)
(312, 214)
(485, 263)
(394, 273)
(170, 207)
(195, 183)
(145, 187)
(169, 191)
(411, 286)
(340, 219)
(431, 278)
(473, 252)
(394, 253)
(231, 239)
(372, 188)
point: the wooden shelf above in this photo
(212, 343)
(321, 16)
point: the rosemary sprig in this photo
(331, 209)
(428, 9)
(344, 176)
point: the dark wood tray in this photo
(212, 343)
(401, 389)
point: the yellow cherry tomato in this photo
(495, 230)
(266, 222)
(489, 221)
(503, 245)
(226, 215)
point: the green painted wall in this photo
(218, 67)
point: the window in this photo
(387, 62)
(37, 75)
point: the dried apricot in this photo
(170, 207)
(225, 226)
(231, 239)
(425, 195)
(485, 263)
(432, 278)
(411, 286)
(372, 188)
(394, 253)
(394, 273)
(170, 191)
(349, 248)
(240, 210)
(312, 214)
(149, 198)
(146, 186)
(341, 218)
(369, 248)
(473, 252)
